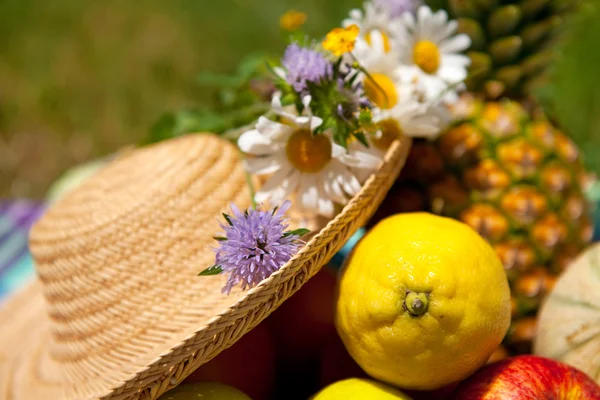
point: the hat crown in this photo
(118, 257)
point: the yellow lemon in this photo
(422, 302)
(359, 389)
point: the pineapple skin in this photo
(511, 42)
(515, 179)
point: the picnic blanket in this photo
(16, 265)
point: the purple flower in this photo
(398, 7)
(255, 244)
(305, 65)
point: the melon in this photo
(569, 321)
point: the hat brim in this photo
(27, 371)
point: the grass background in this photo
(81, 78)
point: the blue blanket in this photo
(16, 265)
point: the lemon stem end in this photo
(416, 303)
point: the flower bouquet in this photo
(336, 106)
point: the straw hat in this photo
(118, 311)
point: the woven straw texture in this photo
(118, 311)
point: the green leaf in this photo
(362, 138)
(297, 232)
(365, 117)
(249, 67)
(213, 270)
(353, 79)
(253, 65)
(290, 98)
(220, 238)
(187, 121)
(571, 95)
(227, 219)
(299, 37)
(163, 128)
(271, 68)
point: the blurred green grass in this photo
(81, 78)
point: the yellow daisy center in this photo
(427, 56)
(307, 152)
(390, 131)
(387, 46)
(381, 90)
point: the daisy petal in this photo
(356, 13)
(307, 192)
(333, 190)
(262, 165)
(456, 60)
(306, 102)
(337, 151)
(315, 122)
(276, 101)
(452, 74)
(325, 205)
(253, 142)
(362, 160)
(446, 31)
(409, 20)
(455, 44)
(347, 180)
(440, 18)
(273, 130)
(278, 187)
(280, 72)
(423, 22)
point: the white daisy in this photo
(310, 166)
(374, 55)
(430, 51)
(374, 18)
(396, 98)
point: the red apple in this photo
(528, 378)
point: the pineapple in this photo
(511, 42)
(502, 167)
(514, 178)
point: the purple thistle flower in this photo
(398, 7)
(255, 244)
(305, 65)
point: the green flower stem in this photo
(250, 184)
(251, 187)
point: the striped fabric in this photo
(16, 265)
